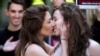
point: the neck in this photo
(14, 27)
(41, 38)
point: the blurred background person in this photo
(96, 26)
(57, 3)
(9, 36)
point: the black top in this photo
(4, 35)
(96, 31)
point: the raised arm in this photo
(64, 36)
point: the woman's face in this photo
(58, 18)
(47, 26)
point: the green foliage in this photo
(1, 3)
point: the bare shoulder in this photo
(94, 48)
(35, 50)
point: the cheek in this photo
(58, 23)
(11, 15)
(21, 15)
(57, 26)
(46, 30)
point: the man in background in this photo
(9, 36)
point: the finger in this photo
(10, 39)
(61, 26)
(17, 41)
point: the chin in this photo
(48, 35)
(56, 34)
(16, 23)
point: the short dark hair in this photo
(21, 2)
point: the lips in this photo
(53, 29)
(16, 19)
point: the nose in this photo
(17, 15)
(53, 23)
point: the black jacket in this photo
(96, 31)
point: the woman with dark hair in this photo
(74, 32)
(36, 24)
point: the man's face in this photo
(57, 3)
(15, 13)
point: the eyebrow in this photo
(21, 10)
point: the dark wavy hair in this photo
(31, 25)
(79, 32)
(20, 2)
